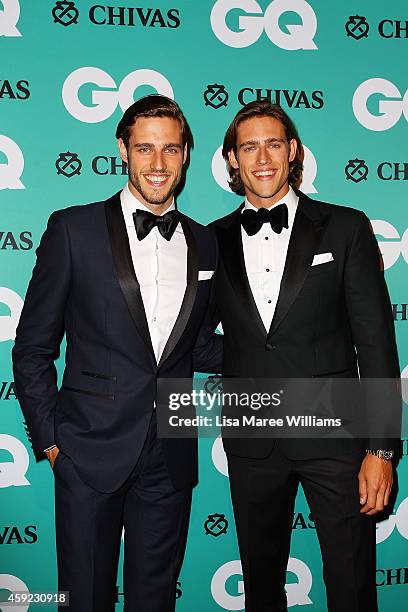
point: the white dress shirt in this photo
(265, 256)
(161, 269)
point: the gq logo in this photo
(404, 385)
(398, 520)
(9, 17)
(12, 473)
(11, 583)
(8, 323)
(11, 171)
(389, 110)
(297, 592)
(221, 176)
(251, 26)
(392, 248)
(105, 99)
(218, 456)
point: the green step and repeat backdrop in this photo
(67, 71)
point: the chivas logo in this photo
(68, 164)
(129, 16)
(216, 96)
(22, 241)
(357, 27)
(65, 13)
(14, 535)
(302, 522)
(19, 90)
(216, 525)
(356, 170)
(7, 390)
(213, 384)
(392, 576)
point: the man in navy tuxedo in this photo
(301, 294)
(128, 280)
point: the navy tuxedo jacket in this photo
(333, 319)
(84, 285)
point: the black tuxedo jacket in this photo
(84, 285)
(333, 319)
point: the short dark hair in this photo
(154, 105)
(262, 108)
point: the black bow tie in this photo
(277, 216)
(145, 221)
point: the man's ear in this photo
(123, 150)
(292, 149)
(185, 154)
(233, 160)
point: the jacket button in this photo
(270, 347)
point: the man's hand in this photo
(52, 455)
(375, 482)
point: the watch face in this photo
(388, 454)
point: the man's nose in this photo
(263, 156)
(157, 162)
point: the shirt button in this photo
(269, 301)
(270, 347)
(266, 237)
(267, 269)
(154, 319)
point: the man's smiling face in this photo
(263, 156)
(155, 156)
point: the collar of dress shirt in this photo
(130, 203)
(290, 199)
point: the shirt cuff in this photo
(50, 447)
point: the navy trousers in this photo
(89, 527)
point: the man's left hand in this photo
(375, 482)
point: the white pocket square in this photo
(322, 258)
(205, 274)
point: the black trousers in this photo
(89, 527)
(263, 494)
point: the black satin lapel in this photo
(304, 240)
(232, 253)
(189, 294)
(124, 267)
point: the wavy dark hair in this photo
(262, 108)
(154, 105)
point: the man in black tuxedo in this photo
(301, 294)
(128, 280)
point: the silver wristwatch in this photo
(387, 455)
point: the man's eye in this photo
(171, 150)
(248, 149)
(275, 145)
(143, 150)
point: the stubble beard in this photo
(154, 196)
